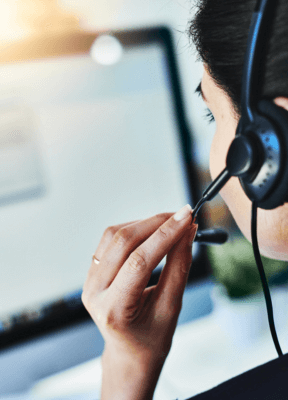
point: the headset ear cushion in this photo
(279, 118)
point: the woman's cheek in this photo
(218, 154)
(231, 193)
(217, 161)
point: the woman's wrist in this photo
(125, 377)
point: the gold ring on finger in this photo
(96, 261)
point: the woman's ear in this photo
(282, 102)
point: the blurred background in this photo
(42, 161)
(28, 18)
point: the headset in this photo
(258, 155)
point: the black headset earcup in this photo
(279, 118)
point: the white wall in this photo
(118, 14)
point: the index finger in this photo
(135, 273)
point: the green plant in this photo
(233, 265)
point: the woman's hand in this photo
(138, 323)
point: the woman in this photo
(138, 323)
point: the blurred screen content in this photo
(83, 146)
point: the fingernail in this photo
(183, 213)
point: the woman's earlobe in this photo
(282, 102)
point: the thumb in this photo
(173, 278)
(192, 233)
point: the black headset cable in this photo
(263, 278)
(212, 190)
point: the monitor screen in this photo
(83, 146)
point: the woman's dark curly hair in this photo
(219, 30)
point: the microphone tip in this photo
(212, 237)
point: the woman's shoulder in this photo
(268, 380)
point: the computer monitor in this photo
(92, 133)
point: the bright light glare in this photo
(106, 50)
(9, 26)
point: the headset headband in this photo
(252, 58)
